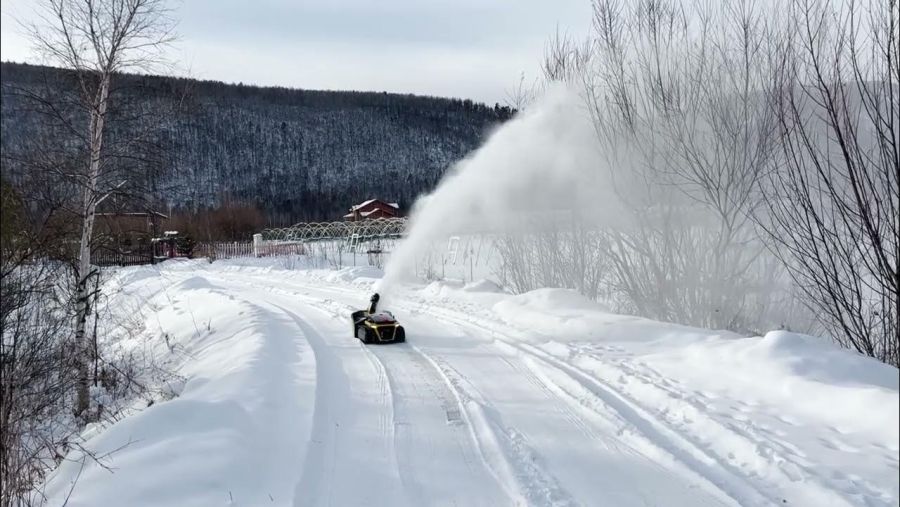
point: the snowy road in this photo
(470, 411)
(454, 417)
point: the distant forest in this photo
(293, 154)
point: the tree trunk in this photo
(89, 208)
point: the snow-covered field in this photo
(537, 399)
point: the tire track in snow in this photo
(280, 400)
(686, 449)
(519, 460)
(386, 419)
(504, 450)
(772, 455)
(383, 382)
(701, 466)
(403, 365)
(506, 453)
(563, 409)
(422, 482)
(690, 449)
(343, 446)
(498, 448)
(399, 435)
(655, 432)
(319, 463)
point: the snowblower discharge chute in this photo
(372, 326)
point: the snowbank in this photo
(354, 274)
(564, 315)
(235, 433)
(482, 285)
(807, 376)
(803, 375)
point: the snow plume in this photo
(543, 160)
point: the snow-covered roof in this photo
(362, 204)
(131, 214)
(370, 201)
(362, 213)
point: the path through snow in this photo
(484, 405)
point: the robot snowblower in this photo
(372, 326)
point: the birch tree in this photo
(96, 40)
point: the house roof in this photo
(131, 214)
(363, 214)
(370, 201)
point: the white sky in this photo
(458, 48)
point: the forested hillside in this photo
(294, 154)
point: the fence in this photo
(107, 257)
(224, 250)
(371, 238)
(217, 250)
(269, 249)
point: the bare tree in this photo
(833, 196)
(34, 384)
(678, 93)
(716, 119)
(96, 40)
(39, 376)
(562, 249)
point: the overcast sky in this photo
(460, 48)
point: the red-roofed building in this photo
(372, 209)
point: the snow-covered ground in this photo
(537, 399)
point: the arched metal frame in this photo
(361, 230)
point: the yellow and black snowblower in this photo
(372, 326)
